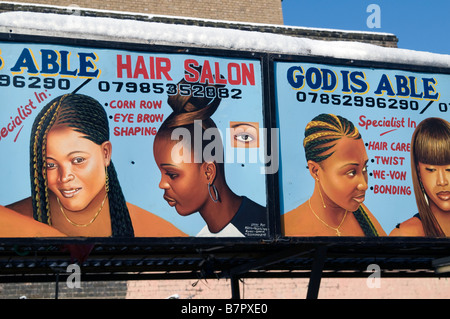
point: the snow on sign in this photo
(103, 142)
(364, 151)
(112, 137)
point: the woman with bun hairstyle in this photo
(430, 171)
(74, 185)
(337, 160)
(197, 183)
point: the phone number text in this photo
(361, 101)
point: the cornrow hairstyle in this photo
(87, 116)
(430, 144)
(322, 131)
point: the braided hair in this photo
(321, 135)
(87, 116)
(322, 131)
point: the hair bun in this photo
(187, 108)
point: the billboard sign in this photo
(101, 139)
(346, 139)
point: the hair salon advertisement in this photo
(203, 177)
(385, 106)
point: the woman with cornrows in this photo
(74, 185)
(337, 160)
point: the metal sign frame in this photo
(39, 259)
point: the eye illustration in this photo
(244, 134)
(244, 137)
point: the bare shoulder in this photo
(24, 207)
(410, 227)
(292, 221)
(13, 224)
(147, 224)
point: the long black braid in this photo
(87, 116)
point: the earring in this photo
(107, 179)
(424, 193)
(216, 194)
(426, 198)
(320, 193)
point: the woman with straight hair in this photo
(430, 172)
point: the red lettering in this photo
(191, 74)
(236, 74)
(133, 131)
(127, 117)
(392, 190)
(140, 68)
(401, 147)
(162, 68)
(237, 71)
(377, 146)
(156, 69)
(389, 160)
(152, 67)
(219, 78)
(206, 76)
(378, 174)
(121, 66)
(248, 74)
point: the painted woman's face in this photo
(436, 181)
(343, 176)
(183, 183)
(75, 167)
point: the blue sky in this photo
(418, 24)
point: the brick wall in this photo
(292, 288)
(250, 288)
(47, 290)
(256, 11)
(246, 10)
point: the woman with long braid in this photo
(337, 160)
(74, 185)
(192, 185)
